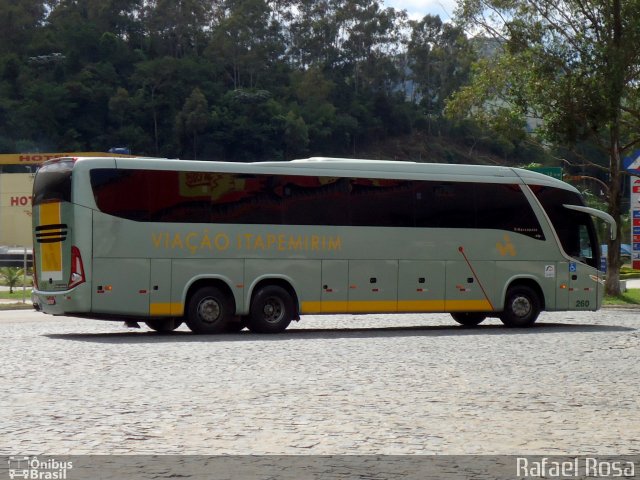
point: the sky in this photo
(419, 8)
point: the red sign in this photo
(21, 201)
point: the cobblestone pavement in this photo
(408, 384)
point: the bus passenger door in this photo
(335, 292)
(160, 289)
(121, 286)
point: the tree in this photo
(439, 57)
(314, 35)
(176, 28)
(194, 117)
(11, 276)
(296, 136)
(247, 40)
(312, 92)
(249, 125)
(155, 77)
(572, 63)
(18, 20)
(369, 35)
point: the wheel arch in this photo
(280, 281)
(221, 283)
(530, 282)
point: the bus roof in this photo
(328, 166)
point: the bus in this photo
(223, 246)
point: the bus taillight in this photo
(77, 268)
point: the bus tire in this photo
(271, 310)
(209, 311)
(164, 325)
(521, 307)
(469, 319)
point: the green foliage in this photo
(11, 277)
(193, 118)
(239, 80)
(629, 298)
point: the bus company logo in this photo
(506, 248)
(195, 242)
(33, 468)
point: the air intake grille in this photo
(51, 233)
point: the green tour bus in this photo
(223, 246)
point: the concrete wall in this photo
(15, 209)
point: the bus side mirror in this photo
(598, 214)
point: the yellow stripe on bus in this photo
(166, 309)
(50, 253)
(400, 306)
(406, 306)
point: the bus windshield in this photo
(53, 182)
(575, 229)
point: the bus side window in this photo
(444, 205)
(380, 202)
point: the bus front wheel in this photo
(209, 311)
(469, 319)
(521, 307)
(271, 310)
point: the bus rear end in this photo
(60, 277)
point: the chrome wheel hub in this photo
(273, 310)
(521, 306)
(209, 310)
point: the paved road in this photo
(407, 384)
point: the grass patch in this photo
(16, 295)
(629, 298)
(627, 273)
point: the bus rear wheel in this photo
(209, 311)
(271, 310)
(521, 307)
(469, 319)
(165, 325)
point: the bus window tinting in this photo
(448, 205)
(574, 229)
(234, 198)
(53, 183)
(314, 200)
(380, 202)
(504, 207)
